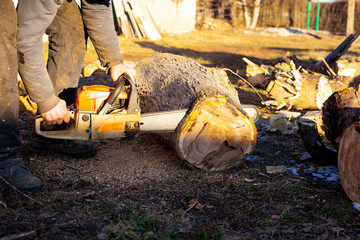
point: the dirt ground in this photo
(140, 189)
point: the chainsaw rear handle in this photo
(133, 106)
(77, 131)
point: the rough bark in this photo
(340, 110)
(168, 82)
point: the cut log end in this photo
(349, 161)
(216, 134)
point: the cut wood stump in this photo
(349, 161)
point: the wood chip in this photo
(276, 169)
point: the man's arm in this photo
(99, 23)
(33, 19)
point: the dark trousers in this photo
(67, 48)
(66, 54)
(9, 98)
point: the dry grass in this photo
(242, 203)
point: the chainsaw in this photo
(102, 112)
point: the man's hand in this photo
(117, 70)
(57, 115)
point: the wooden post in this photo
(350, 17)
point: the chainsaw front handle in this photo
(133, 104)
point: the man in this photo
(49, 85)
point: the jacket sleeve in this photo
(33, 19)
(99, 24)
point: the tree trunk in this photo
(350, 17)
(216, 133)
(256, 13)
(246, 14)
(341, 116)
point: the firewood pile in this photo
(292, 85)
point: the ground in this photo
(140, 189)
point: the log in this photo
(216, 134)
(349, 161)
(340, 110)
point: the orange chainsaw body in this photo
(91, 98)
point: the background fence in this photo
(280, 13)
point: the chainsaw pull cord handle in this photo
(114, 94)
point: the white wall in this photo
(171, 16)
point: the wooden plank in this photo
(133, 22)
(145, 24)
(121, 18)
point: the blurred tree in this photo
(251, 17)
(350, 17)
